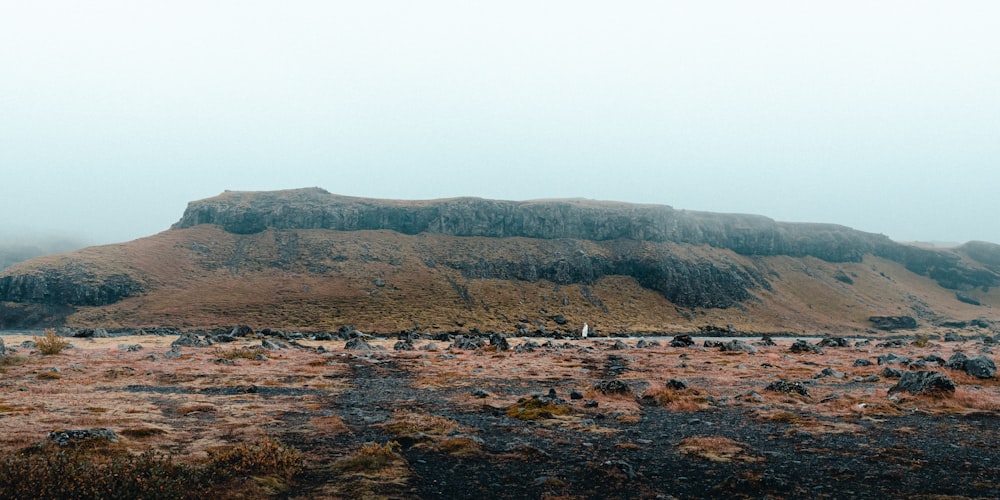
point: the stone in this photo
(430, 346)
(830, 372)
(241, 331)
(981, 367)
(951, 336)
(890, 323)
(622, 466)
(956, 361)
(575, 395)
(174, 353)
(499, 341)
(403, 345)
(862, 362)
(766, 340)
(833, 342)
(272, 345)
(480, 393)
(590, 404)
(890, 372)
(68, 437)
(612, 387)
(619, 345)
(787, 387)
(676, 384)
(682, 341)
(130, 347)
(924, 382)
(3, 349)
(800, 346)
(468, 343)
(893, 359)
(738, 346)
(188, 339)
(891, 344)
(358, 344)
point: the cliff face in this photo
(493, 264)
(248, 213)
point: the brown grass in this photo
(716, 449)
(50, 343)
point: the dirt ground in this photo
(605, 422)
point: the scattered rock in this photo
(956, 361)
(738, 346)
(933, 359)
(615, 365)
(766, 340)
(802, 346)
(468, 343)
(980, 366)
(891, 344)
(682, 341)
(834, 342)
(272, 345)
(480, 393)
(889, 323)
(430, 346)
(623, 466)
(862, 362)
(890, 372)
(174, 352)
(499, 341)
(619, 345)
(241, 331)
(575, 394)
(893, 359)
(676, 384)
(3, 349)
(924, 382)
(403, 345)
(68, 437)
(590, 404)
(612, 387)
(830, 372)
(358, 344)
(787, 387)
(188, 339)
(951, 336)
(130, 347)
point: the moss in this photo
(535, 408)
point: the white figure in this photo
(583, 333)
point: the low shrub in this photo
(372, 456)
(51, 343)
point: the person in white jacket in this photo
(583, 333)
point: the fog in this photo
(882, 116)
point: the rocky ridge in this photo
(693, 260)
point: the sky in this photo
(879, 115)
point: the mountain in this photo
(306, 259)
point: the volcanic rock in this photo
(924, 382)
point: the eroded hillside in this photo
(309, 260)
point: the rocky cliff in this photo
(309, 259)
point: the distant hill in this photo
(306, 259)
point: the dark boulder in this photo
(682, 341)
(956, 361)
(403, 345)
(766, 340)
(499, 341)
(924, 382)
(3, 349)
(890, 372)
(802, 346)
(574, 394)
(619, 346)
(889, 344)
(68, 437)
(862, 362)
(612, 387)
(676, 384)
(241, 331)
(893, 359)
(787, 387)
(188, 339)
(738, 346)
(358, 344)
(272, 345)
(889, 323)
(834, 342)
(468, 343)
(830, 372)
(980, 366)
(951, 336)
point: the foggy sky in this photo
(882, 116)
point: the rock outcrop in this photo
(353, 254)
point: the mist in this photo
(879, 116)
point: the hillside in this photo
(309, 260)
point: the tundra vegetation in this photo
(279, 415)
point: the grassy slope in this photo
(204, 277)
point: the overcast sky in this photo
(882, 116)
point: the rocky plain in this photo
(349, 415)
(729, 356)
